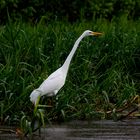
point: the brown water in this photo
(87, 130)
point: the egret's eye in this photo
(91, 33)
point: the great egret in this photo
(56, 80)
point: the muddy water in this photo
(84, 130)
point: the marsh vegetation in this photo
(103, 77)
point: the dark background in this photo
(34, 10)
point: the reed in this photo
(104, 73)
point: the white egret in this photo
(56, 80)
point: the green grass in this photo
(104, 73)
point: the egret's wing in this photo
(53, 83)
(55, 74)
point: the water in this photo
(87, 130)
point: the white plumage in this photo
(56, 80)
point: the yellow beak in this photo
(96, 33)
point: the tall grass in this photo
(104, 73)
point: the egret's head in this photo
(88, 33)
(34, 96)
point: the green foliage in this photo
(104, 73)
(72, 11)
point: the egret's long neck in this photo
(66, 64)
